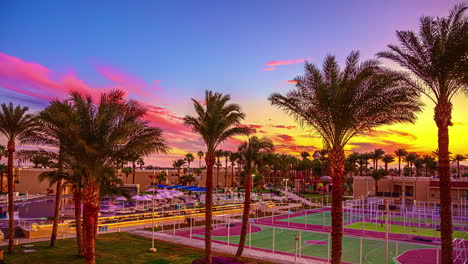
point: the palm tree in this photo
(304, 155)
(140, 163)
(340, 104)
(102, 133)
(251, 152)
(377, 175)
(189, 158)
(366, 156)
(410, 159)
(3, 153)
(162, 177)
(376, 155)
(387, 159)
(216, 121)
(233, 157)
(187, 179)
(127, 171)
(218, 153)
(400, 153)
(200, 155)
(51, 124)
(436, 55)
(178, 164)
(418, 165)
(457, 159)
(226, 155)
(15, 124)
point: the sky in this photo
(163, 53)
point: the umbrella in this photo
(136, 197)
(161, 186)
(326, 178)
(149, 190)
(144, 198)
(123, 199)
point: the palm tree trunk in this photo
(210, 160)
(58, 193)
(232, 174)
(133, 171)
(226, 174)
(217, 176)
(442, 117)
(11, 208)
(90, 210)
(458, 169)
(336, 163)
(386, 168)
(399, 166)
(78, 225)
(246, 212)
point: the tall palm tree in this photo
(400, 153)
(216, 120)
(189, 158)
(457, 159)
(251, 152)
(366, 156)
(3, 153)
(51, 124)
(436, 55)
(376, 155)
(342, 103)
(15, 124)
(410, 159)
(200, 155)
(386, 160)
(178, 164)
(99, 134)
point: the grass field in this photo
(398, 229)
(373, 250)
(110, 249)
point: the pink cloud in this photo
(291, 82)
(271, 65)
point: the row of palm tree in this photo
(93, 138)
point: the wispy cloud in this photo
(271, 65)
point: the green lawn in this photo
(398, 229)
(373, 250)
(110, 249)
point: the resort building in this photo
(414, 188)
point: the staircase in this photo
(18, 232)
(297, 197)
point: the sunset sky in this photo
(165, 52)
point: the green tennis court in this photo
(399, 229)
(315, 244)
(319, 218)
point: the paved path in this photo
(249, 253)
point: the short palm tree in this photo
(400, 153)
(178, 164)
(200, 155)
(251, 152)
(101, 132)
(436, 55)
(162, 177)
(216, 120)
(189, 158)
(457, 159)
(410, 159)
(386, 160)
(305, 155)
(15, 124)
(376, 155)
(342, 103)
(127, 171)
(377, 175)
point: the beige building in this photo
(26, 179)
(415, 188)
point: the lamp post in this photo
(152, 249)
(286, 180)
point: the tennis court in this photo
(316, 244)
